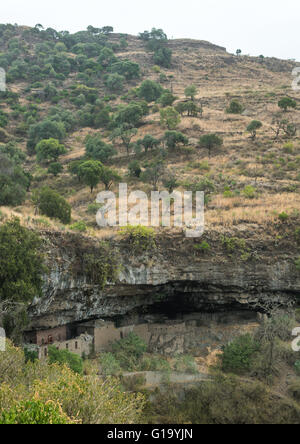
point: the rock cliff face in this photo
(174, 278)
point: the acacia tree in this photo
(286, 103)
(253, 127)
(210, 142)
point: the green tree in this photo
(125, 133)
(97, 149)
(169, 117)
(115, 82)
(46, 129)
(53, 205)
(126, 68)
(173, 138)
(108, 177)
(191, 92)
(253, 127)
(167, 99)
(150, 90)
(14, 182)
(49, 149)
(90, 173)
(163, 57)
(55, 168)
(149, 142)
(238, 355)
(287, 102)
(210, 142)
(130, 115)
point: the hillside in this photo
(64, 71)
(84, 112)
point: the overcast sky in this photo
(267, 27)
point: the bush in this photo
(79, 226)
(96, 149)
(14, 182)
(238, 355)
(115, 82)
(141, 238)
(129, 351)
(283, 216)
(235, 107)
(53, 205)
(150, 91)
(186, 364)
(73, 361)
(55, 168)
(35, 412)
(109, 365)
(134, 169)
(249, 191)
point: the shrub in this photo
(129, 351)
(186, 364)
(249, 191)
(55, 168)
(79, 226)
(210, 142)
(53, 205)
(150, 91)
(297, 367)
(73, 361)
(96, 149)
(141, 238)
(47, 129)
(93, 208)
(35, 412)
(115, 82)
(134, 169)
(203, 247)
(283, 216)
(238, 355)
(109, 365)
(235, 107)
(169, 118)
(14, 182)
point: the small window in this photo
(76, 345)
(67, 346)
(50, 339)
